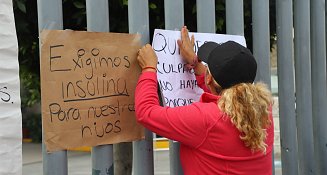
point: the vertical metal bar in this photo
(102, 156)
(49, 14)
(174, 158)
(234, 17)
(102, 160)
(174, 19)
(95, 10)
(54, 163)
(261, 44)
(303, 86)
(286, 94)
(261, 39)
(174, 14)
(50, 17)
(318, 75)
(138, 19)
(206, 16)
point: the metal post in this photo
(138, 19)
(286, 94)
(95, 10)
(174, 158)
(234, 17)
(303, 86)
(174, 14)
(319, 95)
(174, 19)
(102, 156)
(50, 17)
(206, 16)
(102, 160)
(261, 44)
(261, 39)
(49, 14)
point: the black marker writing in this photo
(58, 114)
(90, 61)
(89, 89)
(178, 102)
(191, 84)
(54, 57)
(4, 95)
(99, 130)
(165, 85)
(166, 68)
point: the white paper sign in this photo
(10, 113)
(178, 84)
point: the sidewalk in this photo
(79, 163)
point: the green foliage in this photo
(21, 6)
(74, 14)
(34, 126)
(31, 91)
(152, 6)
(27, 34)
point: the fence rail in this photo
(301, 76)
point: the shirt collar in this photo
(208, 98)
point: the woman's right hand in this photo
(186, 46)
(147, 58)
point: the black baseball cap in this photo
(229, 63)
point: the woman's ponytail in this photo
(248, 106)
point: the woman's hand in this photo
(147, 58)
(186, 46)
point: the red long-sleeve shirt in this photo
(210, 143)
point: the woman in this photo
(230, 131)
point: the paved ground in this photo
(79, 163)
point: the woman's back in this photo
(222, 151)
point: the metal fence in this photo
(301, 45)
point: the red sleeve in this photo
(185, 124)
(201, 84)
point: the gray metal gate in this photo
(301, 78)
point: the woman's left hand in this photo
(186, 46)
(147, 58)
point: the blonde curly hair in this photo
(248, 107)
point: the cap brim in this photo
(205, 50)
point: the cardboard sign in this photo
(88, 81)
(178, 84)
